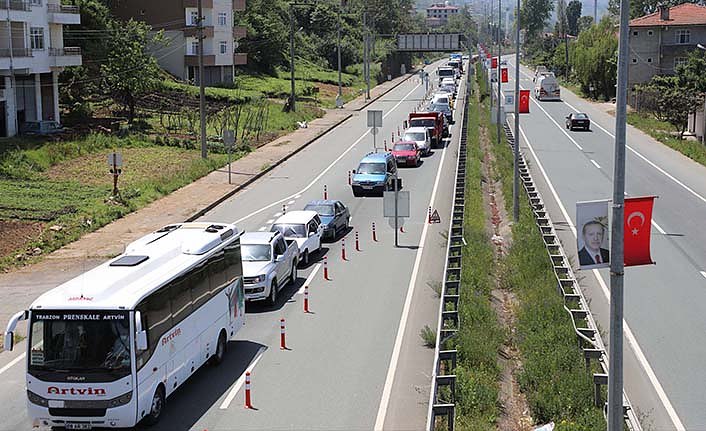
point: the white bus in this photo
(107, 348)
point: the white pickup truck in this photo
(269, 262)
(304, 228)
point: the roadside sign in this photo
(435, 217)
(228, 138)
(388, 204)
(115, 159)
(374, 118)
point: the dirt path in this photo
(514, 411)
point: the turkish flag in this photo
(637, 229)
(494, 63)
(503, 74)
(487, 55)
(524, 101)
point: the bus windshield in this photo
(84, 341)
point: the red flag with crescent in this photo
(494, 63)
(638, 224)
(503, 75)
(524, 101)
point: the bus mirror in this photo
(141, 341)
(9, 341)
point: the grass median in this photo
(553, 377)
(480, 334)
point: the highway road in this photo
(665, 323)
(356, 361)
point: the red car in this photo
(406, 153)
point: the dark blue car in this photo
(333, 214)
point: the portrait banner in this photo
(592, 240)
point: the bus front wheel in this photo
(156, 407)
(217, 358)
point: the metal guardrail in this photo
(575, 304)
(62, 8)
(69, 50)
(441, 402)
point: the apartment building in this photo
(178, 19)
(439, 14)
(662, 40)
(32, 54)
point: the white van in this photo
(547, 88)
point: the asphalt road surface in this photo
(356, 361)
(665, 325)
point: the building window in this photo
(634, 33)
(649, 59)
(222, 18)
(634, 60)
(679, 60)
(194, 18)
(223, 46)
(683, 36)
(650, 32)
(36, 2)
(195, 47)
(36, 35)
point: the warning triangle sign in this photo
(435, 217)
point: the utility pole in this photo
(490, 48)
(500, 53)
(202, 84)
(292, 95)
(339, 99)
(366, 55)
(617, 265)
(516, 149)
(595, 11)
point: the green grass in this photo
(663, 132)
(553, 378)
(68, 184)
(480, 335)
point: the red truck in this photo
(434, 121)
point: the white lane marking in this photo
(291, 202)
(276, 215)
(328, 168)
(309, 279)
(262, 228)
(642, 359)
(270, 221)
(13, 362)
(595, 164)
(297, 196)
(703, 273)
(239, 383)
(648, 161)
(389, 380)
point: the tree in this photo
(691, 73)
(561, 27)
(640, 8)
(584, 23)
(129, 71)
(669, 100)
(534, 15)
(595, 54)
(573, 13)
(267, 25)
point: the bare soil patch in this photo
(16, 234)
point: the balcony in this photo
(206, 4)
(19, 5)
(64, 57)
(193, 60)
(63, 14)
(240, 59)
(238, 5)
(239, 32)
(193, 31)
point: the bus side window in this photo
(200, 288)
(234, 267)
(158, 317)
(217, 272)
(180, 298)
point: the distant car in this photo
(445, 108)
(406, 153)
(578, 120)
(439, 98)
(375, 174)
(448, 89)
(503, 62)
(334, 216)
(420, 136)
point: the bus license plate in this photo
(77, 426)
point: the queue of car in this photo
(270, 259)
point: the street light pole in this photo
(202, 84)
(366, 55)
(516, 183)
(617, 266)
(292, 96)
(500, 49)
(339, 99)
